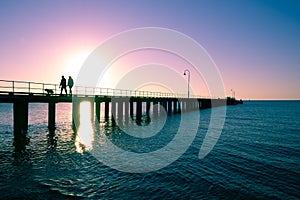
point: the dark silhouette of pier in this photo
(120, 105)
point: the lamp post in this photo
(232, 94)
(189, 76)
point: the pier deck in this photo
(118, 104)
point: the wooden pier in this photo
(118, 105)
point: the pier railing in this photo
(35, 88)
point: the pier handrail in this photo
(36, 88)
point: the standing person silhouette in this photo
(63, 85)
(70, 84)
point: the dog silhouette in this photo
(49, 91)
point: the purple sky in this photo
(255, 44)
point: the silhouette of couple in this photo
(63, 85)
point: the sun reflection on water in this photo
(84, 136)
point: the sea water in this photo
(256, 157)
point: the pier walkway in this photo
(118, 104)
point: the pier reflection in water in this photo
(90, 132)
(84, 135)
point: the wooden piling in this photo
(113, 111)
(139, 110)
(75, 114)
(175, 105)
(163, 106)
(20, 111)
(200, 103)
(120, 111)
(131, 108)
(179, 102)
(98, 108)
(92, 110)
(106, 110)
(51, 115)
(20, 117)
(169, 106)
(148, 107)
(126, 111)
(155, 108)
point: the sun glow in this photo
(74, 63)
(84, 137)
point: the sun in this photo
(74, 63)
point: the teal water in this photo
(256, 157)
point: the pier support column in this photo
(20, 117)
(188, 105)
(113, 111)
(75, 114)
(192, 105)
(203, 105)
(92, 110)
(199, 104)
(139, 110)
(169, 106)
(148, 107)
(106, 110)
(20, 124)
(120, 111)
(98, 108)
(206, 103)
(179, 106)
(163, 106)
(131, 109)
(155, 109)
(175, 106)
(183, 108)
(126, 113)
(51, 115)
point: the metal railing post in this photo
(13, 86)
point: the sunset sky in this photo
(255, 44)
